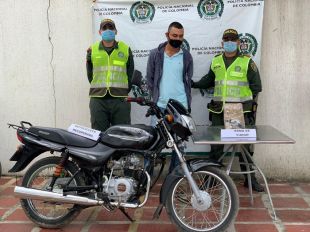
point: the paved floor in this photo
(291, 200)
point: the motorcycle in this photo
(117, 171)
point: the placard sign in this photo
(84, 132)
(238, 133)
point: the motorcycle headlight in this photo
(189, 122)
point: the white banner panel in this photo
(143, 24)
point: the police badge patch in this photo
(237, 68)
(121, 54)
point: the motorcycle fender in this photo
(193, 165)
(24, 155)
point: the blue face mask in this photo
(230, 46)
(108, 35)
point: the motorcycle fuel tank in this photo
(137, 137)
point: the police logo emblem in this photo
(237, 68)
(210, 9)
(121, 54)
(248, 44)
(185, 45)
(142, 12)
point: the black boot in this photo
(255, 185)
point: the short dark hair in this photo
(176, 25)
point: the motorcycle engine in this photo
(120, 189)
(124, 181)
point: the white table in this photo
(264, 135)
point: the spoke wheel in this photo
(44, 213)
(219, 207)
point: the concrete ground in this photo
(291, 201)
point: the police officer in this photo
(110, 67)
(235, 78)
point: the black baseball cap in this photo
(106, 22)
(230, 34)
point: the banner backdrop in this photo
(143, 24)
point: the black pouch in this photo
(254, 107)
(250, 107)
(215, 106)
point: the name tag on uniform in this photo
(238, 133)
(84, 132)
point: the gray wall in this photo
(284, 102)
(43, 78)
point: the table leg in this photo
(225, 152)
(274, 216)
(233, 153)
(248, 172)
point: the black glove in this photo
(192, 84)
(149, 112)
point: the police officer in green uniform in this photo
(110, 67)
(235, 78)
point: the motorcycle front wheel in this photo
(44, 213)
(220, 202)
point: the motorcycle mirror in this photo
(136, 78)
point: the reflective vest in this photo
(109, 71)
(231, 85)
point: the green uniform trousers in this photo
(106, 112)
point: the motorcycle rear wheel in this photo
(221, 197)
(50, 214)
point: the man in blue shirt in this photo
(169, 73)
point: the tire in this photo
(50, 214)
(217, 189)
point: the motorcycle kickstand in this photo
(126, 214)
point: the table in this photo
(264, 135)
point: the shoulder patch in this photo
(247, 55)
(253, 66)
(218, 54)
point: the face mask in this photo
(230, 46)
(108, 35)
(175, 43)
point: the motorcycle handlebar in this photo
(135, 99)
(153, 110)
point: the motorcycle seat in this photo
(62, 136)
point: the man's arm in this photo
(254, 80)
(207, 81)
(190, 70)
(89, 66)
(130, 69)
(150, 69)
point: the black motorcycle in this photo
(118, 170)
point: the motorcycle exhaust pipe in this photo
(36, 194)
